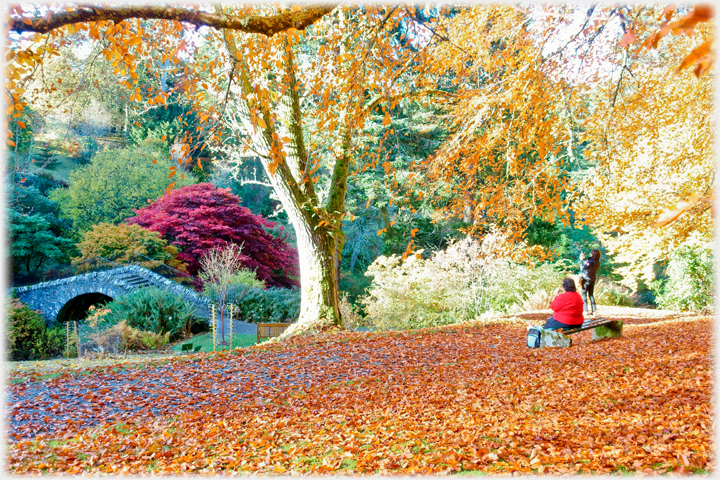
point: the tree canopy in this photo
(114, 184)
(199, 218)
(33, 242)
(541, 107)
(127, 243)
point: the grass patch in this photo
(205, 341)
(348, 464)
(122, 429)
(622, 470)
(309, 460)
(56, 443)
(63, 166)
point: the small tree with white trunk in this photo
(219, 266)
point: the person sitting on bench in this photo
(567, 307)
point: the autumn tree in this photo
(294, 87)
(218, 268)
(125, 244)
(114, 184)
(199, 218)
(296, 97)
(539, 135)
(648, 159)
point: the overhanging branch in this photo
(266, 25)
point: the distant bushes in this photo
(273, 305)
(689, 282)
(608, 292)
(134, 340)
(457, 284)
(256, 304)
(27, 336)
(153, 310)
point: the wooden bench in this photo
(613, 328)
(601, 328)
(269, 330)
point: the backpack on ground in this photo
(533, 337)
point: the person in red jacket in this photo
(567, 308)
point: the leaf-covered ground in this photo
(470, 397)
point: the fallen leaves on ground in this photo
(440, 400)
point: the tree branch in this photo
(266, 25)
(282, 179)
(418, 93)
(291, 111)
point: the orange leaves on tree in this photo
(386, 119)
(627, 39)
(409, 250)
(672, 214)
(499, 163)
(704, 54)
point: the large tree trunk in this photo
(319, 307)
(318, 228)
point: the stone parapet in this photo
(50, 297)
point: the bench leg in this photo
(554, 338)
(611, 330)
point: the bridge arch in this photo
(76, 308)
(62, 300)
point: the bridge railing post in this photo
(213, 325)
(232, 307)
(77, 339)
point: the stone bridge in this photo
(69, 298)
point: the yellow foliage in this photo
(654, 165)
(133, 339)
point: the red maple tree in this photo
(200, 217)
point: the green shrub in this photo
(153, 310)
(243, 279)
(132, 339)
(257, 305)
(352, 317)
(608, 292)
(690, 282)
(353, 285)
(28, 337)
(457, 284)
